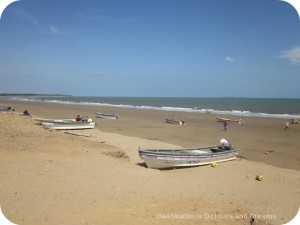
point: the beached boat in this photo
(5, 108)
(107, 116)
(295, 121)
(166, 158)
(175, 121)
(221, 119)
(42, 120)
(69, 125)
(78, 118)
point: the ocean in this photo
(257, 107)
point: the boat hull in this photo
(69, 126)
(5, 108)
(220, 119)
(41, 120)
(174, 121)
(158, 160)
(107, 116)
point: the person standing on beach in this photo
(287, 124)
(225, 123)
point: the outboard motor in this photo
(225, 144)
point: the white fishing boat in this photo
(295, 121)
(5, 108)
(221, 119)
(78, 118)
(169, 158)
(71, 125)
(107, 116)
(175, 121)
(42, 120)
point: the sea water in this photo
(258, 107)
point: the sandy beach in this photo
(50, 177)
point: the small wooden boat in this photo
(221, 119)
(295, 121)
(78, 118)
(5, 108)
(107, 116)
(42, 120)
(166, 158)
(175, 121)
(69, 125)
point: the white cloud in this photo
(230, 59)
(293, 55)
(53, 29)
(30, 18)
(27, 17)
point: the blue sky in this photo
(169, 48)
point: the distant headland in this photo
(34, 95)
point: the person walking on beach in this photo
(225, 123)
(287, 124)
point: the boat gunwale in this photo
(82, 123)
(182, 153)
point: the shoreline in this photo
(239, 113)
(68, 179)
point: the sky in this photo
(151, 48)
